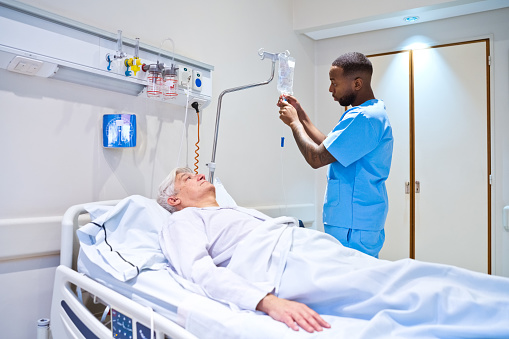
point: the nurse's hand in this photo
(292, 313)
(287, 113)
(291, 100)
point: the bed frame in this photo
(82, 307)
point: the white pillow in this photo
(222, 197)
(125, 239)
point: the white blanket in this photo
(364, 297)
(360, 296)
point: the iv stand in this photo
(274, 57)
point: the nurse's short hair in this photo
(353, 62)
(167, 188)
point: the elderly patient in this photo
(243, 258)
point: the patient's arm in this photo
(292, 313)
(184, 241)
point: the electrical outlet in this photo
(197, 80)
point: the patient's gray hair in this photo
(167, 188)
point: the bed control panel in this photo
(143, 332)
(122, 327)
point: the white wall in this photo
(50, 131)
(492, 24)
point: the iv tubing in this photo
(262, 54)
(185, 123)
(161, 47)
(197, 147)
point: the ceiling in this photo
(379, 17)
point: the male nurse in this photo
(358, 151)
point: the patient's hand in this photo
(292, 313)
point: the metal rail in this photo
(274, 57)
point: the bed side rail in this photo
(71, 319)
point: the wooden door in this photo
(451, 155)
(437, 102)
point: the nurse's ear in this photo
(357, 83)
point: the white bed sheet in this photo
(153, 288)
(204, 317)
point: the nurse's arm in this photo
(316, 155)
(314, 133)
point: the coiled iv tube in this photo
(195, 106)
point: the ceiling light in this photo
(411, 18)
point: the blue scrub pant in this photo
(369, 242)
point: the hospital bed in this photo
(135, 296)
(91, 303)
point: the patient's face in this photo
(193, 189)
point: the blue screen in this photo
(119, 130)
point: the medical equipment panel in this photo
(89, 56)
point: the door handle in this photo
(417, 187)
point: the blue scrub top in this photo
(362, 143)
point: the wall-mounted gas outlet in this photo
(185, 76)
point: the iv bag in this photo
(285, 72)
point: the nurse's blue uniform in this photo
(356, 204)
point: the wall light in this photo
(417, 45)
(413, 18)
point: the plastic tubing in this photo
(197, 147)
(173, 47)
(185, 124)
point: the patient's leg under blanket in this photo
(406, 298)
